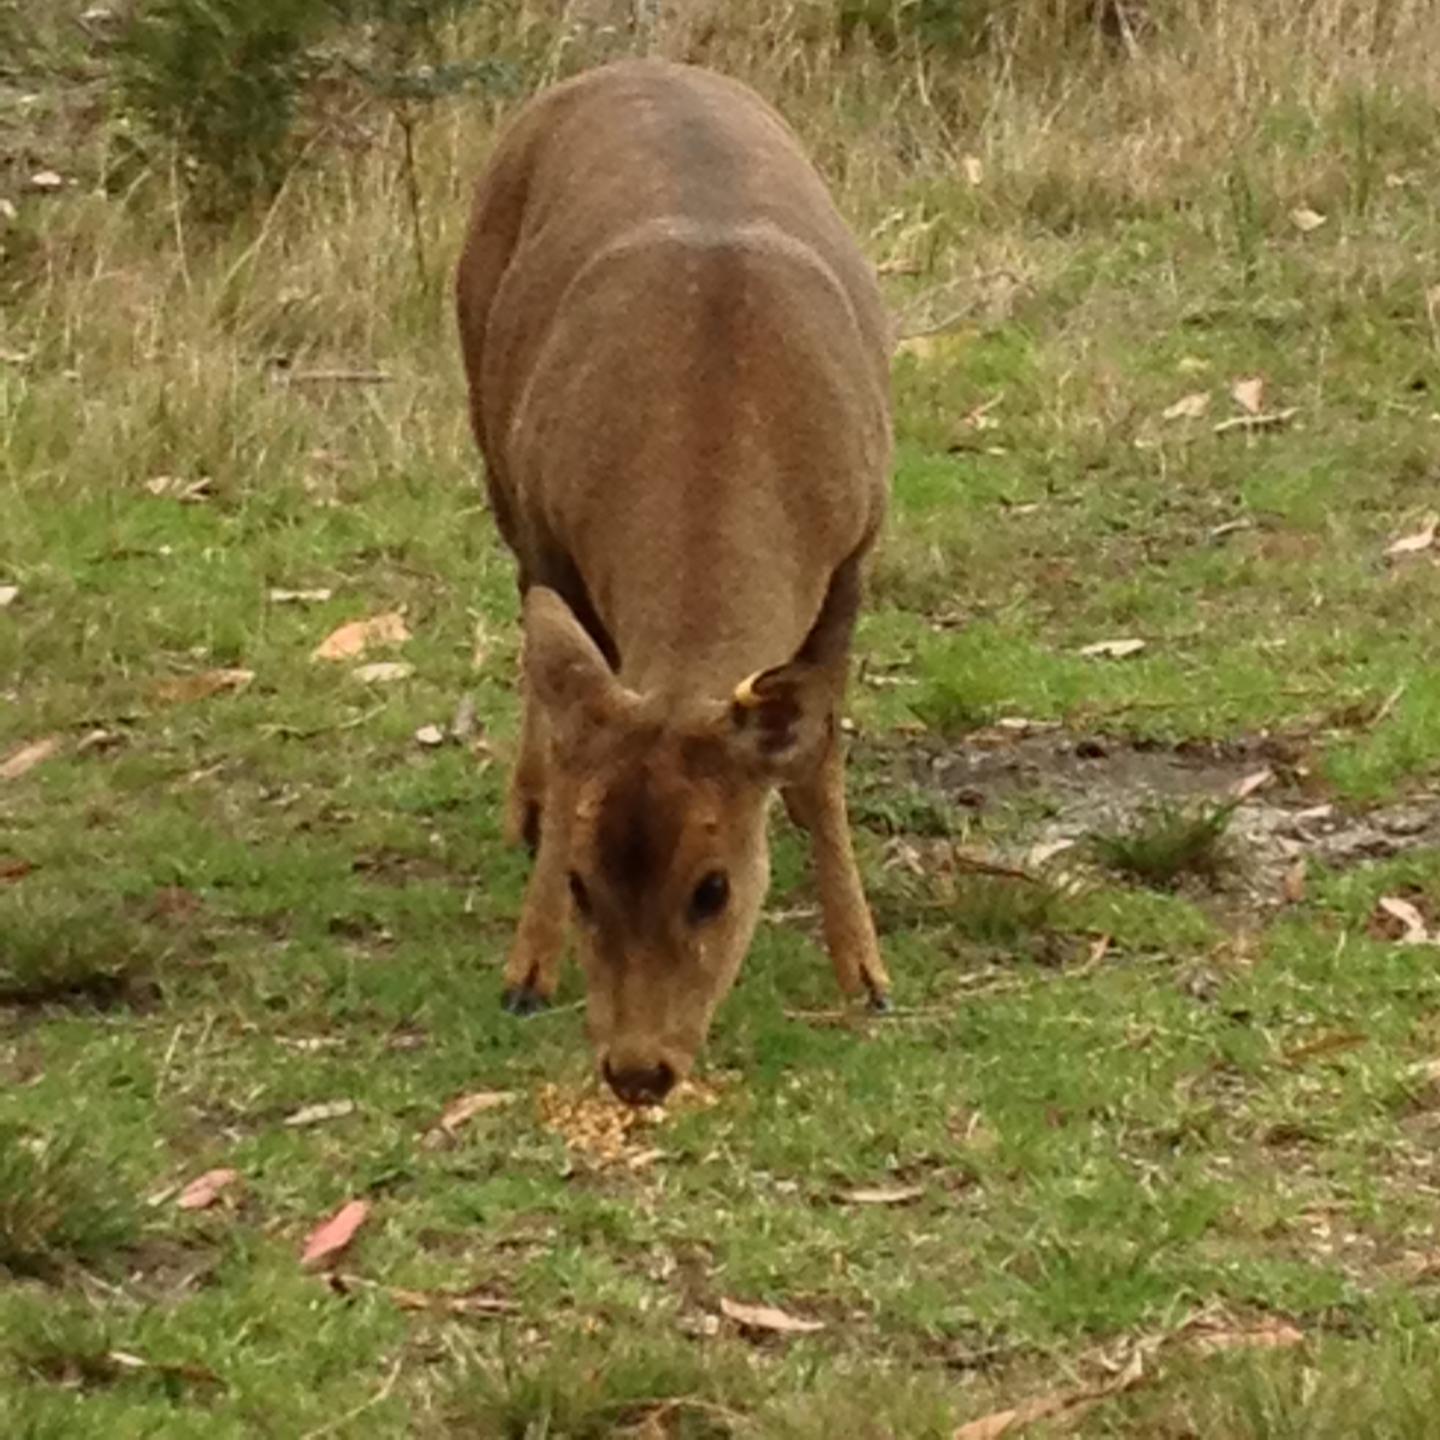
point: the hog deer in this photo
(678, 368)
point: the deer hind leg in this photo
(817, 803)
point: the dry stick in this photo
(668, 1405)
(335, 377)
(295, 732)
(1271, 421)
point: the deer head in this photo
(659, 805)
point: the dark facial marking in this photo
(635, 836)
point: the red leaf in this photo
(204, 1190)
(326, 1242)
(357, 636)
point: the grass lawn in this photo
(1153, 1138)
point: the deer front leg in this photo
(533, 965)
(525, 794)
(817, 803)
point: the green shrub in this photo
(219, 80)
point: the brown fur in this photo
(678, 370)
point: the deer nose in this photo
(638, 1084)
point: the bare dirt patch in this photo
(1032, 793)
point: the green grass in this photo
(1121, 1106)
(1168, 843)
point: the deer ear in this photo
(569, 677)
(781, 718)
(785, 716)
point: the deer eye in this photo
(580, 895)
(711, 896)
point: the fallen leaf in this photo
(1293, 885)
(27, 757)
(1412, 921)
(1249, 393)
(204, 1190)
(458, 1112)
(430, 736)
(768, 1318)
(310, 1044)
(1230, 527)
(883, 1195)
(12, 869)
(1325, 1045)
(1046, 850)
(383, 672)
(188, 492)
(98, 739)
(299, 597)
(1113, 649)
(1272, 421)
(195, 1374)
(1256, 780)
(474, 1302)
(935, 346)
(1304, 219)
(1064, 1402)
(1422, 539)
(8, 595)
(357, 636)
(328, 1240)
(980, 418)
(1098, 949)
(201, 686)
(973, 169)
(900, 266)
(1270, 1334)
(319, 1114)
(449, 1302)
(1188, 407)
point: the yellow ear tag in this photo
(745, 695)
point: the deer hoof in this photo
(879, 1003)
(521, 1000)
